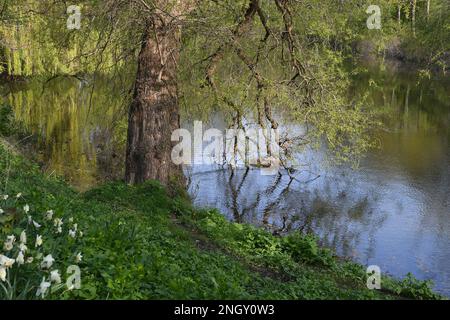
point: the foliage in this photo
(133, 247)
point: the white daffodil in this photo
(38, 241)
(19, 195)
(47, 262)
(23, 237)
(6, 262)
(72, 233)
(9, 243)
(26, 208)
(71, 219)
(43, 287)
(1, 211)
(3, 274)
(36, 225)
(75, 227)
(30, 260)
(5, 197)
(20, 258)
(23, 247)
(58, 222)
(80, 233)
(49, 215)
(30, 220)
(78, 258)
(55, 277)
(8, 246)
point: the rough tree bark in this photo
(154, 112)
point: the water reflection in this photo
(70, 125)
(392, 212)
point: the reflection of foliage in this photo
(79, 124)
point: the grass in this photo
(141, 243)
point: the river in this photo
(392, 211)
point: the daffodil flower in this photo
(1, 211)
(49, 215)
(6, 262)
(47, 262)
(20, 258)
(26, 208)
(23, 247)
(55, 277)
(58, 222)
(3, 274)
(78, 258)
(36, 225)
(9, 243)
(18, 195)
(38, 241)
(5, 197)
(43, 287)
(23, 237)
(72, 233)
(30, 260)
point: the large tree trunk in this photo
(154, 112)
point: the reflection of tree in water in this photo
(282, 204)
(71, 124)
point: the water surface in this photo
(394, 211)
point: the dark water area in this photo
(392, 211)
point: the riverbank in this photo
(143, 242)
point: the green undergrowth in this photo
(140, 243)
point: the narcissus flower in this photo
(1, 211)
(23, 247)
(18, 195)
(5, 197)
(26, 208)
(30, 260)
(3, 274)
(38, 241)
(9, 243)
(78, 258)
(23, 237)
(72, 233)
(47, 262)
(36, 225)
(20, 258)
(43, 287)
(49, 215)
(6, 262)
(55, 276)
(58, 222)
